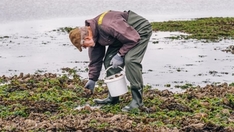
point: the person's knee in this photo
(128, 60)
(132, 63)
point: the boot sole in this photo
(105, 103)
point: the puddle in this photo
(1, 84)
(178, 62)
(88, 107)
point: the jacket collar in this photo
(93, 24)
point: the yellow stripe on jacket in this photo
(101, 18)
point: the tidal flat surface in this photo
(167, 64)
(28, 43)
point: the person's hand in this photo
(90, 85)
(116, 61)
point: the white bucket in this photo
(116, 83)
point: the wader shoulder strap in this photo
(101, 17)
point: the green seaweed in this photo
(210, 29)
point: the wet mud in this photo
(229, 49)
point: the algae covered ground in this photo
(59, 102)
(47, 102)
(208, 29)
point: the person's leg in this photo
(111, 52)
(133, 70)
(134, 58)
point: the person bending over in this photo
(126, 34)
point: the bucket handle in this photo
(111, 67)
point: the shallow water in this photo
(32, 46)
(179, 62)
(174, 62)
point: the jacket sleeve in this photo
(96, 55)
(125, 33)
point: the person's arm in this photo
(96, 55)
